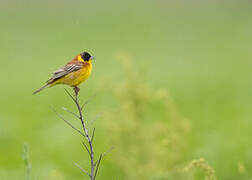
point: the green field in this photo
(171, 83)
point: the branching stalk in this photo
(94, 165)
(89, 148)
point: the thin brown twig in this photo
(97, 167)
(90, 149)
(69, 94)
(87, 101)
(84, 104)
(93, 120)
(68, 123)
(83, 170)
(86, 148)
(67, 110)
(105, 153)
(92, 137)
(108, 151)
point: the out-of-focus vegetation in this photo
(171, 83)
(27, 162)
(150, 134)
(201, 164)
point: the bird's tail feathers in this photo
(40, 89)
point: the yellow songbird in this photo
(73, 73)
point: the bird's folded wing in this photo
(65, 70)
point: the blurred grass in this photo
(199, 51)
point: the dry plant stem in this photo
(90, 150)
(83, 170)
(28, 165)
(68, 123)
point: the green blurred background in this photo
(171, 83)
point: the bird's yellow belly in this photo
(75, 78)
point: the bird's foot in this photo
(76, 90)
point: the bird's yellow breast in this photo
(76, 77)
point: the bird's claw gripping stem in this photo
(76, 90)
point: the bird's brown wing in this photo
(68, 68)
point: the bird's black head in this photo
(86, 56)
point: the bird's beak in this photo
(92, 57)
